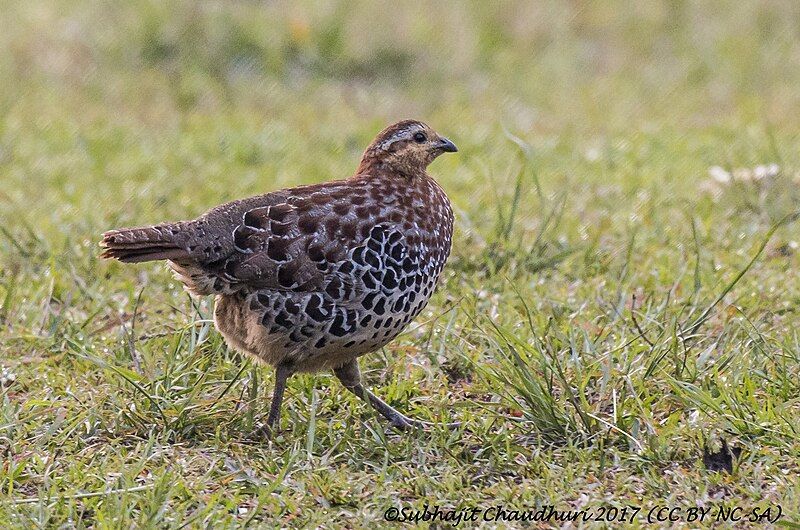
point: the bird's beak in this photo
(446, 145)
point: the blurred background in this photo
(144, 102)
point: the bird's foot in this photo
(401, 422)
(265, 432)
(350, 377)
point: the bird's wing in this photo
(298, 243)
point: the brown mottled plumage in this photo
(313, 277)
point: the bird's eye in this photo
(419, 137)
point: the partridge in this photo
(312, 277)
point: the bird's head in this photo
(407, 147)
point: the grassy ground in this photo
(622, 291)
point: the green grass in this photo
(609, 308)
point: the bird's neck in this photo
(375, 165)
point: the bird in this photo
(313, 277)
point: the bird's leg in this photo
(350, 377)
(282, 373)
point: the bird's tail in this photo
(132, 245)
